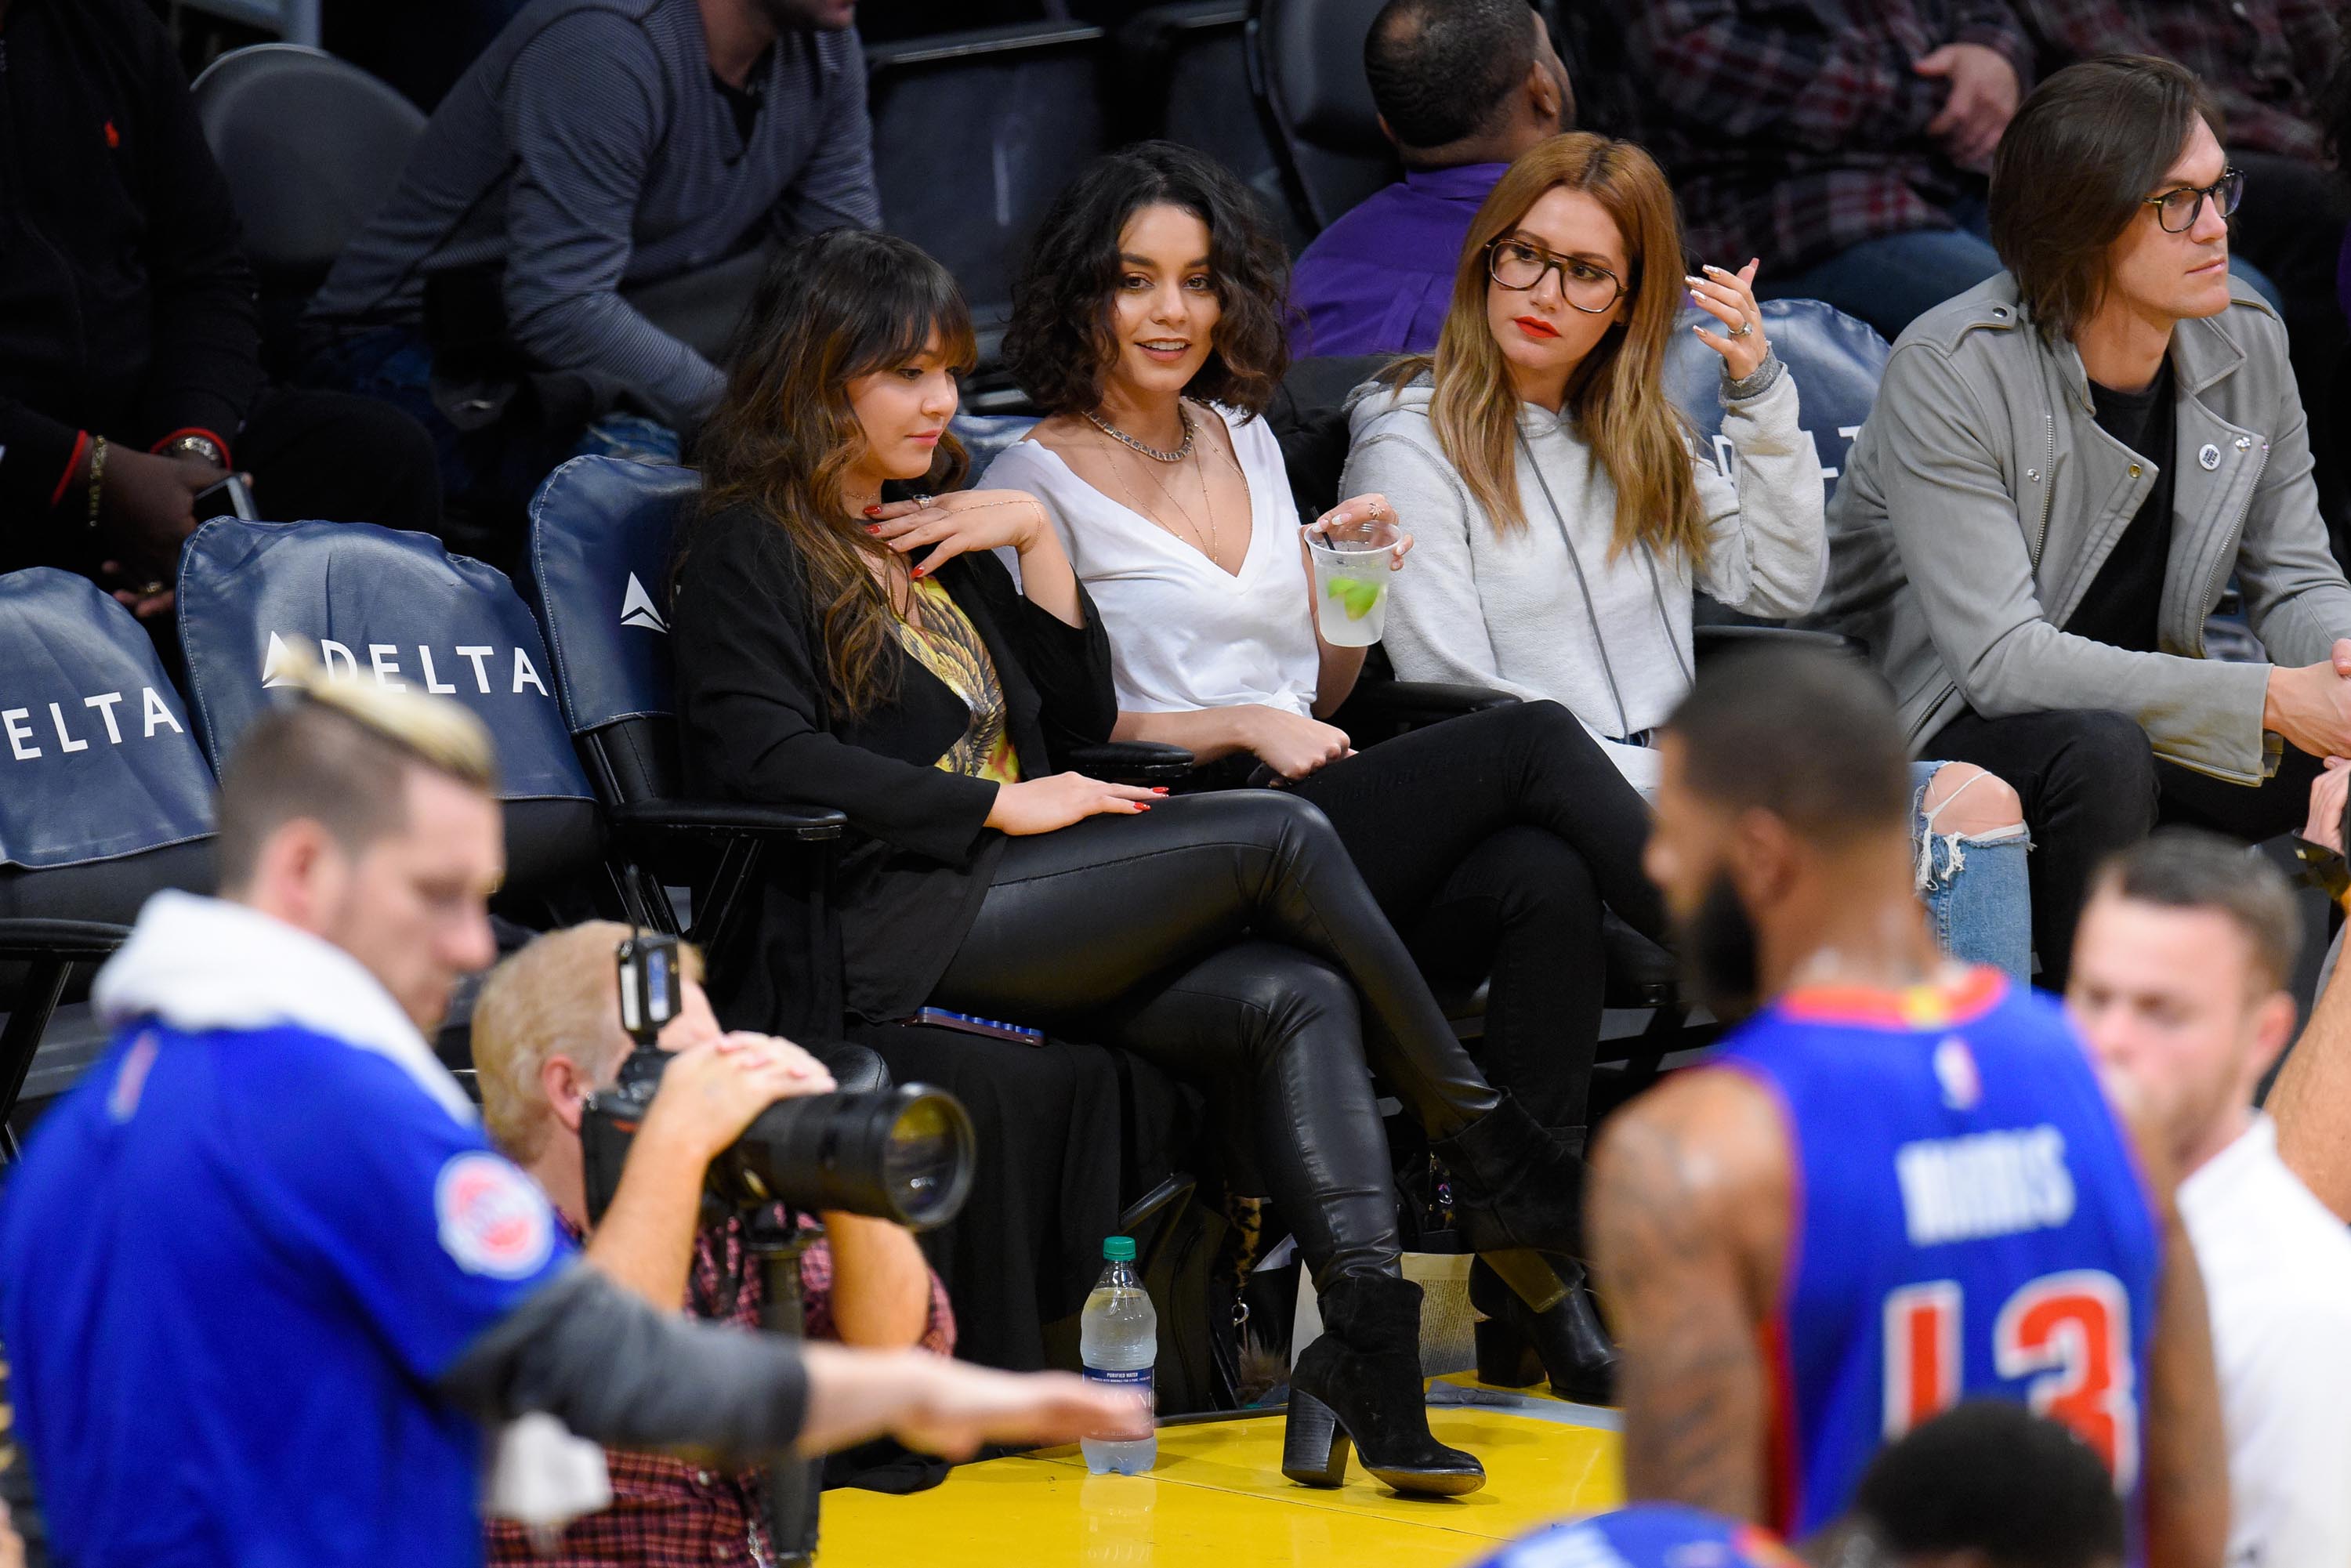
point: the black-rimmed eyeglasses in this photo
(2177, 210)
(1520, 265)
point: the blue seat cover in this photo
(97, 759)
(599, 539)
(389, 607)
(1837, 362)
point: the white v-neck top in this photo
(1186, 635)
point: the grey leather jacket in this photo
(1982, 497)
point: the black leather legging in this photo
(1492, 842)
(1227, 938)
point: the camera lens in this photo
(927, 1160)
(906, 1154)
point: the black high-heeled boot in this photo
(1515, 1184)
(1517, 1346)
(1360, 1383)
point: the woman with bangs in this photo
(1564, 514)
(845, 636)
(1148, 322)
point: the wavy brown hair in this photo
(1060, 344)
(1618, 395)
(832, 308)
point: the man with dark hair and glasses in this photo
(2267, 64)
(2065, 468)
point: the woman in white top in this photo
(1564, 517)
(1148, 322)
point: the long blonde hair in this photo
(1617, 395)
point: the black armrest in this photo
(1381, 710)
(1132, 762)
(1708, 641)
(726, 820)
(28, 939)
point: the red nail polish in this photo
(917, 573)
(873, 528)
(874, 511)
(1141, 807)
(1159, 789)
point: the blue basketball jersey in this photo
(1647, 1535)
(1969, 1222)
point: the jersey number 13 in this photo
(2068, 1333)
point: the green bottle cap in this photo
(1119, 1248)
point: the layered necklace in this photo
(1206, 540)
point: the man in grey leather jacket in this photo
(2064, 468)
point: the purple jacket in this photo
(1378, 280)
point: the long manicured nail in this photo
(1159, 789)
(874, 511)
(1141, 807)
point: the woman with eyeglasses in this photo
(1564, 514)
(1148, 322)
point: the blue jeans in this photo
(1891, 282)
(1974, 888)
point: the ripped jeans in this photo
(1974, 888)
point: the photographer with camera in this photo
(266, 1277)
(547, 1035)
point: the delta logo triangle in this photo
(273, 664)
(637, 608)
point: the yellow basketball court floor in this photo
(1217, 1499)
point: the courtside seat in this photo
(975, 133)
(1306, 72)
(104, 797)
(600, 529)
(1837, 362)
(311, 145)
(398, 610)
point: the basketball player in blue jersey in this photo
(1898, 1184)
(1985, 1485)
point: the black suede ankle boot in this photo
(1517, 1346)
(1361, 1382)
(1515, 1184)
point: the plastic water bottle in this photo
(1118, 1340)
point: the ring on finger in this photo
(1742, 329)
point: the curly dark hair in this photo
(829, 309)
(1060, 344)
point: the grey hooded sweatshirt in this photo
(1546, 609)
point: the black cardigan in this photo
(760, 722)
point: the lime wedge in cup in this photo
(1355, 596)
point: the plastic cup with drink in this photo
(1353, 558)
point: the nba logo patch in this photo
(493, 1219)
(1955, 1070)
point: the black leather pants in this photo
(1228, 937)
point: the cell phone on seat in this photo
(228, 497)
(994, 1029)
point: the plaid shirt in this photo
(2263, 60)
(666, 1512)
(1794, 129)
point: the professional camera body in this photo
(904, 1155)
